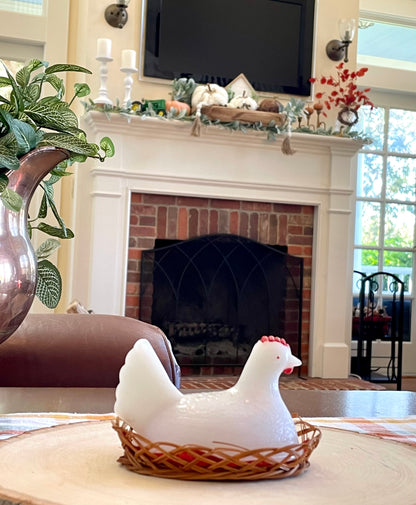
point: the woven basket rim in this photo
(223, 462)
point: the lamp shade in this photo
(346, 29)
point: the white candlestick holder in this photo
(102, 92)
(128, 84)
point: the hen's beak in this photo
(292, 362)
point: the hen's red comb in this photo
(271, 338)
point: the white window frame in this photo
(382, 76)
(383, 201)
(26, 36)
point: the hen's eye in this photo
(277, 357)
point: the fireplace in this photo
(157, 158)
(161, 218)
(215, 295)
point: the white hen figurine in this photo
(250, 414)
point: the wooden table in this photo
(304, 403)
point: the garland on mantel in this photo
(272, 131)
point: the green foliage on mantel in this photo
(271, 130)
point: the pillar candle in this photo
(103, 48)
(128, 58)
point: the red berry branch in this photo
(345, 92)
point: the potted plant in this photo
(344, 93)
(39, 134)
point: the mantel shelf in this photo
(164, 128)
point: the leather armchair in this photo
(77, 350)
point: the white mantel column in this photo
(333, 277)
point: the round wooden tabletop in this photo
(78, 464)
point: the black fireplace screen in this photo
(215, 296)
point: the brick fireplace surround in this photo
(163, 181)
(177, 217)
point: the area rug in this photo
(290, 382)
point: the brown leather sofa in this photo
(77, 350)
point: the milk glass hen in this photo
(250, 414)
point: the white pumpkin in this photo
(243, 102)
(209, 94)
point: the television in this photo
(269, 41)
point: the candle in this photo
(128, 58)
(103, 48)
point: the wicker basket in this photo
(193, 462)
(228, 114)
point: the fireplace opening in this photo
(214, 296)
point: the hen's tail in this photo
(144, 388)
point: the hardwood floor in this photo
(408, 384)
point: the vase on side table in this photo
(18, 263)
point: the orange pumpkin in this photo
(170, 104)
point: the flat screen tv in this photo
(269, 41)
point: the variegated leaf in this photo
(57, 118)
(69, 142)
(63, 67)
(49, 285)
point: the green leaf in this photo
(23, 76)
(4, 181)
(8, 158)
(53, 231)
(56, 82)
(53, 179)
(60, 170)
(47, 248)
(4, 100)
(107, 146)
(71, 143)
(43, 208)
(55, 212)
(11, 199)
(27, 138)
(50, 113)
(77, 158)
(35, 64)
(32, 93)
(4, 81)
(16, 96)
(49, 285)
(81, 89)
(48, 190)
(62, 67)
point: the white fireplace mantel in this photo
(160, 156)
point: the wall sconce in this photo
(336, 50)
(116, 14)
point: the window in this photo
(386, 196)
(387, 44)
(33, 7)
(34, 29)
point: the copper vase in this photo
(18, 263)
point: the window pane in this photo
(369, 176)
(365, 261)
(400, 178)
(402, 128)
(367, 223)
(23, 6)
(399, 225)
(371, 123)
(386, 40)
(400, 263)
